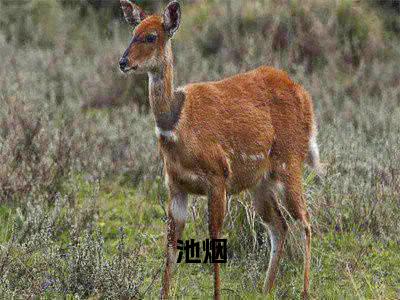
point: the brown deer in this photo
(252, 130)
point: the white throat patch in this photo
(167, 134)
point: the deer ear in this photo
(133, 14)
(172, 18)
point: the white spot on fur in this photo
(273, 236)
(257, 157)
(273, 256)
(280, 188)
(313, 148)
(168, 134)
(181, 89)
(179, 208)
(166, 179)
(284, 166)
(274, 239)
(193, 177)
(254, 157)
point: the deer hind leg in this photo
(177, 213)
(266, 205)
(295, 203)
(216, 207)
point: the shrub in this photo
(34, 262)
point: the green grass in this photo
(344, 265)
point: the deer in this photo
(252, 131)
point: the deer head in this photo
(151, 33)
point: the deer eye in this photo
(151, 38)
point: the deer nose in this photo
(123, 62)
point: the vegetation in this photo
(82, 198)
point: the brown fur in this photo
(251, 130)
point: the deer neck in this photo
(161, 88)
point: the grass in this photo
(345, 264)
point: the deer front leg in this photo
(216, 208)
(177, 213)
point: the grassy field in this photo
(82, 196)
